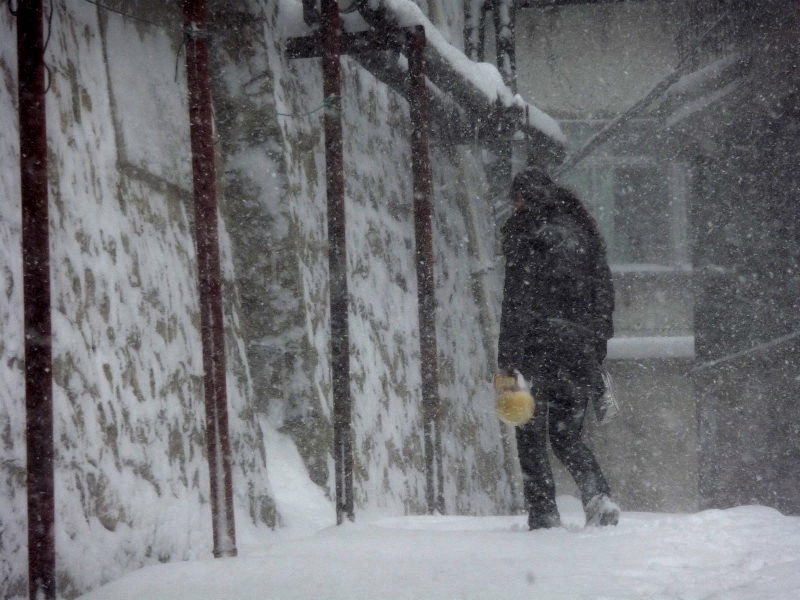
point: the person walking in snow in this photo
(556, 320)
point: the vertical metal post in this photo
(475, 29)
(211, 323)
(36, 300)
(423, 232)
(504, 30)
(331, 33)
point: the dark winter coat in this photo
(558, 297)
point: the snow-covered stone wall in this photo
(385, 371)
(131, 475)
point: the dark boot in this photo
(601, 510)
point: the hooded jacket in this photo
(558, 297)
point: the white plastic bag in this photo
(606, 407)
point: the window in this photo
(640, 209)
(639, 202)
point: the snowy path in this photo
(746, 553)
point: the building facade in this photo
(681, 119)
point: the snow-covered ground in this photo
(745, 553)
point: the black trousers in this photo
(562, 395)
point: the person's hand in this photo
(601, 350)
(507, 369)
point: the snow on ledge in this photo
(631, 348)
(483, 77)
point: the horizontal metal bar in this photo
(757, 349)
(357, 42)
(483, 120)
(555, 3)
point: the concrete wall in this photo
(748, 280)
(593, 60)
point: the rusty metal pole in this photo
(36, 300)
(209, 273)
(330, 31)
(426, 297)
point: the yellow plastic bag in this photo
(513, 402)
